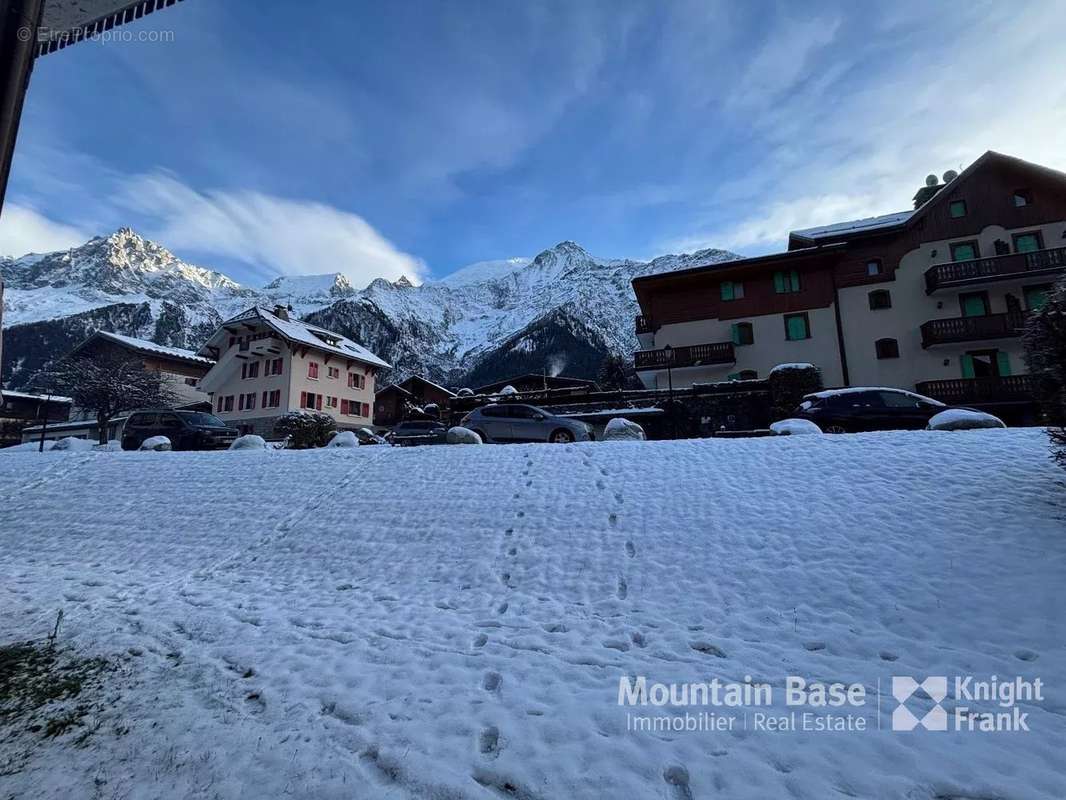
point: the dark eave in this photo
(743, 265)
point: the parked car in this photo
(187, 430)
(868, 409)
(418, 431)
(512, 422)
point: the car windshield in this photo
(201, 420)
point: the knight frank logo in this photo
(903, 689)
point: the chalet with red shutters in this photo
(269, 363)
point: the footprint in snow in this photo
(623, 589)
(708, 649)
(488, 742)
(886, 656)
(502, 608)
(637, 638)
(676, 778)
(555, 627)
(491, 682)
(613, 519)
(480, 640)
(814, 646)
(1025, 655)
(631, 549)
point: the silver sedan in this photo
(513, 422)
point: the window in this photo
(874, 267)
(957, 209)
(272, 367)
(228, 405)
(900, 400)
(250, 370)
(272, 399)
(1022, 197)
(1028, 242)
(311, 400)
(1035, 296)
(887, 348)
(786, 282)
(331, 402)
(356, 381)
(964, 251)
(880, 299)
(334, 372)
(218, 403)
(797, 327)
(312, 370)
(732, 290)
(249, 401)
(974, 304)
(365, 409)
(743, 333)
(985, 364)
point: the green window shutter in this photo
(1003, 363)
(736, 334)
(727, 290)
(795, 276)
(779, 282)
(973, 306)
(797, 328)
(967, 365)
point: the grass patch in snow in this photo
(47, 691)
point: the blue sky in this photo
(417, 137)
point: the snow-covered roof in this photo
(448, 392)
(54, 398)
(143, 345)
(296, 330)
(855, 225)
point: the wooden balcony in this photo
(995, 268)
(695, 355)
(972, 329)
(644, 325)
(976, 391)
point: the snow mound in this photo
(249, 442)
(620, 430)
(794, 427)
(461, 435)
(962, 419)
(508, 390)
(344, 439)
(73, 445)
(29, 447)
(794, 365)
(465, 392)
(156, 443)
(111, 446)
(367, 436)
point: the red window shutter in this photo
(344, 406)
(240, 402)
(264, 399)
(318, 404)
(303, 399)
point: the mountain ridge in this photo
(494, 318)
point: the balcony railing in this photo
(964, 391)
(994, 268)
(972, 329)
(689, 356)
(644, 325)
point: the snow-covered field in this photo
(453, 622)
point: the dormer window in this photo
(1022, 197)
(957, 209)
(874, 267)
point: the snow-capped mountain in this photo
(563, 310)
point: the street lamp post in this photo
(670, 388)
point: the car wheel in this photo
(834, 429)
(561, 437)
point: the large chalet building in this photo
(267, 364)
(932, 299)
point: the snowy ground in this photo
(453, 622)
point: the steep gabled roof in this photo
(148, 348)
(300, 332)
(854, 226)
(437, 386)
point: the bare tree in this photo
(106, 385)
(1045, 351)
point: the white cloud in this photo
(289, 237)
(858, 137)
(23, 230)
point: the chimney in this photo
(925, 194)
(281, 312)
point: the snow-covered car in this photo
(187, 430)
(862, 408)
(514, 422)
(418, 431)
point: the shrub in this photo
(1045, 352)
(304, 429)
(788, 384)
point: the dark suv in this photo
(868, 409)
(418, 431)
(187, 430)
